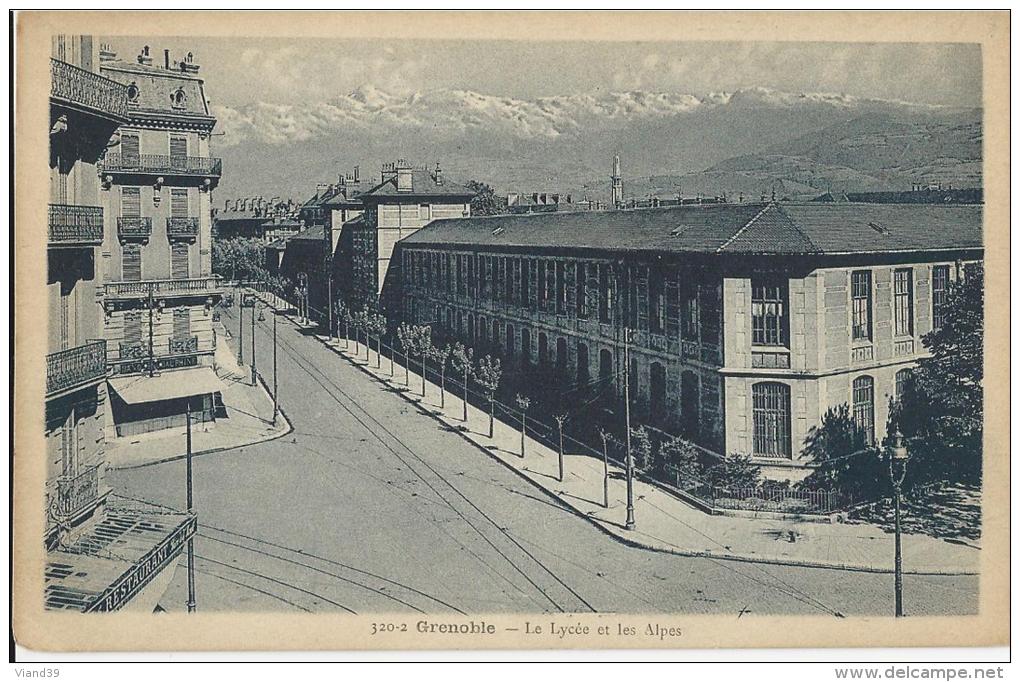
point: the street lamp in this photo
(254, 367)
(898, 457)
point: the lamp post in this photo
(630, 457)
(191, 510)
(240, 331)
(276, 403)
(898, 457)
(254, 367)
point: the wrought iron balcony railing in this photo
(75, 494)
(71, 225)
(197, 286)
(181, 345)
(88, 91)
(134, 228)
(132, 351)
(163, 164)
(182, 228)
(75, 367)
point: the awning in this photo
(179, 383)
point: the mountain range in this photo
(749, 141)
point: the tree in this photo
(441, 356)
(561, 419)
(377, 324)
(684, 458)
(846, 462)
(523, 403)
(735, 471)
(485, 201)
(239, 258)
(641, 448)
(488, 376)
(463, 361)
(941, 412)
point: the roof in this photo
(423, 184)
(238, 215)
(744, 228)
(342, 199)
(316, 232)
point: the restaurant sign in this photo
(148, 567)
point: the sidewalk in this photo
(249, 420)
(664, 522)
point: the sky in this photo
(289, 71)
(430, 96)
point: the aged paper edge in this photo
(38, 629)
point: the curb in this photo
(631, 542)
(222, 448)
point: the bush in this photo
(846, 463)
(735, 471)
(682, 456)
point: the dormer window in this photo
(132, 93)
(178, 99)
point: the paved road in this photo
(371, 506)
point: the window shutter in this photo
(178, 203)
(133, 328)
(131, 202)
(178, 151)
(131, 262)
(182, 323)
(129, 150)
(179, 260)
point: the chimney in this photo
(439, 174)
(106, 54)
(404, 177)
(357, 174)
(320, 190)
(166, 59)
(144, 57)
(389, 171)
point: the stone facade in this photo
(742, 354)
(156, 257)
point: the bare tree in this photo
(441, 356)
(560, 420)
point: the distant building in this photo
(159, 290)
(104, 552)
(918, 195)
(747, 320)
(405, 200)
(254, 217)
(546, 202)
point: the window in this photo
(182, 323)
(657, 301)
(131, 262)
(860, 295)
(581, 308)
(178, 203)
(864, 407)
(768, 313)
(606, 293)
(771, 420)
(903, 378)
(939, 291)
(583, 373)
(903, 301)
(424, 212)
(130, 202)
(133, 328)
(179, 260)
(691, 315)
(129, 150)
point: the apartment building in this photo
(156, 260)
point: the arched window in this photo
(657, 393)
(583, 375)
(864, 407)
(771, 419)
(178, 99)
(132, 93)
(510, 339)
(525, 345)
(903, 378)
(561, 354)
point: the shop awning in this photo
(180, 383)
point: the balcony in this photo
(182, 228)
(134, 228)
(71, 225)
(88, 92)
(161, 288)
(183, 345)
(74, 495)
(163, 164)
(76, 367)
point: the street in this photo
(370, 506)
